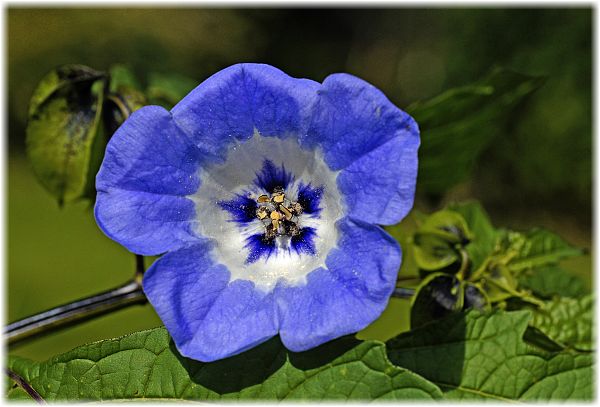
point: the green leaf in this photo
(447, 224)
(541, 248)
(433, 252)
(13, 387)
(168, 90)
(567, 321)
(63, 130)
(17, 393)
(548, 281)
(146, 365)
(483, 356)
(458, 124)
(483, 235)
(436, 240)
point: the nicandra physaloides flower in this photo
(264, 192)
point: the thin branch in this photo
(65, 315)
(77, 311)
(25, 386)
(404, 293)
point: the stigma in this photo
(278, 214)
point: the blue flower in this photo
(264, 192)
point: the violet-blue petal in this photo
(372, 142)
(149, 167)
(145, 223)
(379, 187)
(231, 104)
(347, 296)
(208, 317)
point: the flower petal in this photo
(145, 223)
(231, 104)
(208, 316)
(149, 167)
(372, 142)
(379, 187)
(347, 296)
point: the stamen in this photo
(261, 212)
(275, 216)
(286, 212)
(278, 214)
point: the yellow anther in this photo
(286, 212)
(263, 198)
(262, 212)
(278, 198)
(275, 215)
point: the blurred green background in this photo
(538, 172)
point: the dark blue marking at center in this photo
(242, 208)
(310, 198)
(270, 177)
(304, 242)
(258, 247)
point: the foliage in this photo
(548, 281)
(458, 124)
(147, 365)
(479, 356)
(567, 321)
(494, 267)
(64, 138)
(476, 356)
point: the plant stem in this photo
(404, 293)
(77, 311)
(25, 386)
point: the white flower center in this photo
(261, 250)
